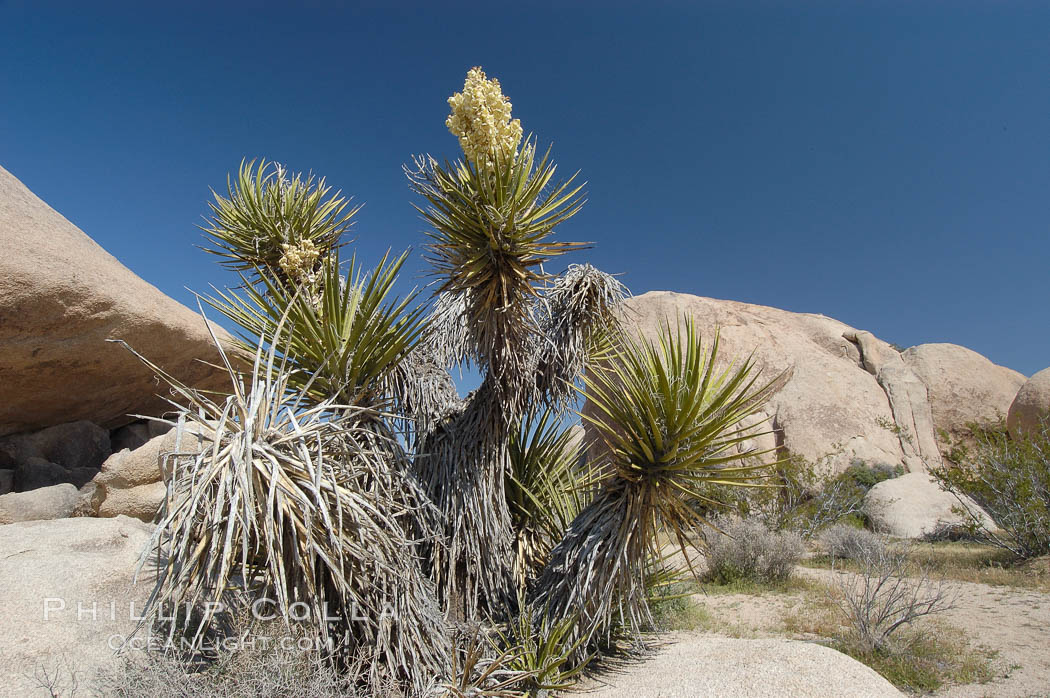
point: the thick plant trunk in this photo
(462, 464)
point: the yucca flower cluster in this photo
(299, 259)
(481, 120)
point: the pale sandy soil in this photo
(1014, 622)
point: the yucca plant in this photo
(668, 418)
(275, 224)
(345, 331)
(298, 503)
(482, 669)
(545, 489)
(491, 229)
(492, 216)
(546, 652)
(346, 469)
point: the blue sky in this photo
(883, 163)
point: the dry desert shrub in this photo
(745, 550)
(271, 662)
(842, 542)
(882, 599)
(1008, 476)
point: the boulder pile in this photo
(68, 397)
(963, 386)
(846, 397)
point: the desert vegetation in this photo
(801, 497)
(416, 542)
(803, 563)
(1007, 475)
(874, 599)
(423, 541)
(745, 550)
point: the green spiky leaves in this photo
(490, 235)
(543, 488)
(668, 420)
(669, 417)
(344, 333)
(275, 224)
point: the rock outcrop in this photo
(831, 408)
(732, 668)
(909, 403)
(963, 386)
(55, 502)
(67, 594)
(61, 297)
(914, 506)
(846, 396)
(1031, 406)
(132, 482)
(65, 453)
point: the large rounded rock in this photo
(67, 598)
(56, 502)
(963, 386)
(61, 297)
(33, 473)
(914, 506)
(72, 445)
(691, 666)
(833, 407)
(141, 502)
(1031, 406)
(131, 482)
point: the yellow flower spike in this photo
(481, 120)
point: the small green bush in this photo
(746, 550)
(932, 660)
(1008, 476)
(864, 476)
(802, 499)
(542, 651)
